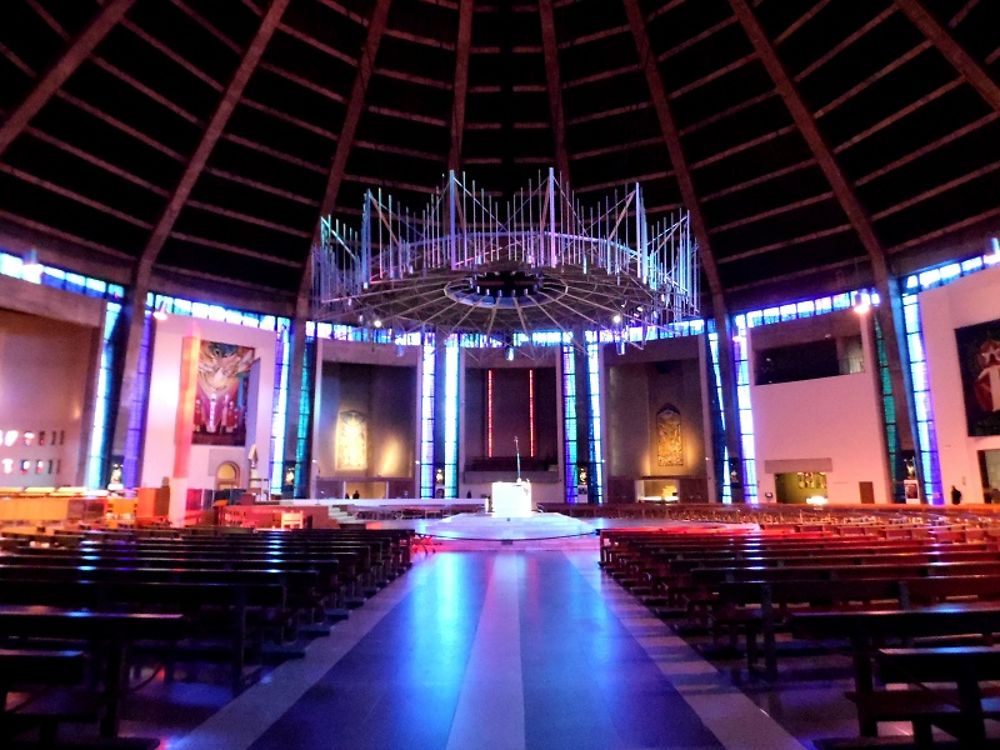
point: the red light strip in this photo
(531, 412)
(489, 413)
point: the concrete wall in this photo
(386, 395)
(833, 422)
(964, 302)
(639, 384)
(46, 369)
(164, 397)
(510, 412)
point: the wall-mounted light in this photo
(161, 311)
(32, 268)
(862, 305)
(993, 257)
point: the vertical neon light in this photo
(303, 438)
(427, 421)
(713, 346)
(596, 446)
(531, 413)
(743, 403)
(489, 413)
(926, 430)
(282, 361)
(569, 419)
(451, 352)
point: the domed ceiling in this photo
(199, 141)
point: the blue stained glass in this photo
(930, 278)
(973, 264)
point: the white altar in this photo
(511, 499)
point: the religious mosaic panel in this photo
(352, 441)
(220, 407)
(669, 441)
(979, 361)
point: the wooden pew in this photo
(113, 631)
(761, 608)
(212, 610)
(960, 711)
(302, 586)
(869, 630)
(30, 668)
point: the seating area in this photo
(912, 600)
(87, 616)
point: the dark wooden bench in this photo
(960, 710)
(106, 633)
(760, 608)
(225, 622)
(22, 669)
(752, 608)
(869, 630)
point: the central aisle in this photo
(484, 650)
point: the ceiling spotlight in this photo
(616, 319)
(161, 311)
(377, 323)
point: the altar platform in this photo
(500, 528)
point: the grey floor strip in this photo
(490, 712)
(732, 717)
(239, 723)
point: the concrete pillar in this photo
(730, 403)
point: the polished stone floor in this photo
(495, 648)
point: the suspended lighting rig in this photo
(506, 270)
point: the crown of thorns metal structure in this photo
(471, 264)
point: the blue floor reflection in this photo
(398, 688)
(586, 682)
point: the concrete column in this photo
(296, 358)
(730, 403)
(126, 371)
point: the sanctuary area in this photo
(499, 374)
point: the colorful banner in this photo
(220, 406)
(979, 360)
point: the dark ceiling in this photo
(202, 139)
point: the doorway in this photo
(227, 476)
(799, 486)
(989, 473)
